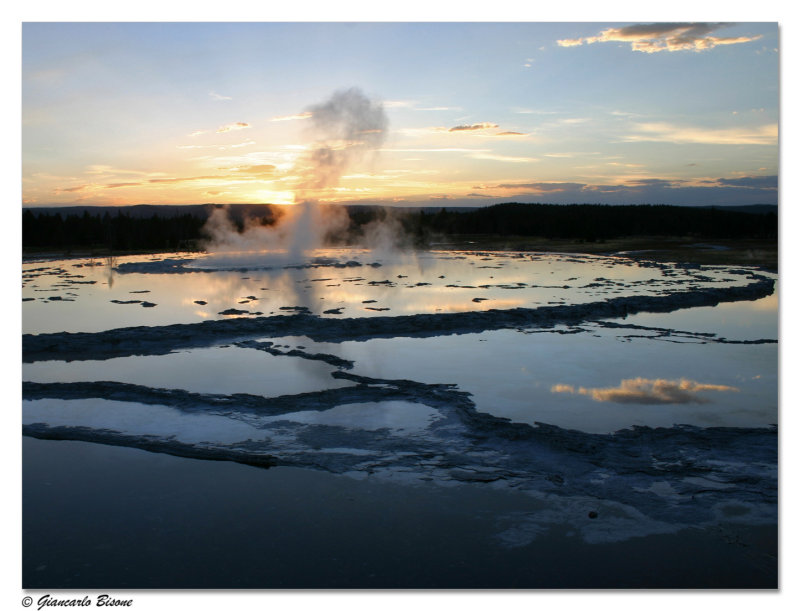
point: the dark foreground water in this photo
(98, 516)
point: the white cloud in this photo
(667, 132)
(296, 117)
(505, 158)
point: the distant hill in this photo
(242, 210)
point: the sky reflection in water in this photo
(606, 379)
(407, 284)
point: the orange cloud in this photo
(232, 127)
(115, 185)
(656, 37)
(154, 181)
(258, 169)
(648, 392)
(180, 179)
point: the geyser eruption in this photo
(348, 129)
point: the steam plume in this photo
(348, 129)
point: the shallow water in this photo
(662, 410)
(371, 286)
(513, 374)
(168, 522)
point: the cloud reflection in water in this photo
(648, 392)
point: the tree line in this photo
(593, 222)
(118, 232)
(586, 222)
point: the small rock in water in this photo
(200, 302)
(301, 309)
(233, 312)
(592, 514)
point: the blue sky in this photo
(613, 112)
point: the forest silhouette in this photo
(181, 227)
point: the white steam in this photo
(348, 129)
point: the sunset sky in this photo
(478, 113)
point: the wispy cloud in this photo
(434, 150)
(182, 179)
(539, 187)
(416, 132)
(216, 96)
(570, 155)
(472, 127)
(117, 185)
(111, 170)
(219, 147)
(644, 189)
(624, 113)
(247, 173)
(231, 127)
(263, 169)
(439, 108)
(414, 105)
(399, 103)
(678, 134)
(619, 164)
(751, 182)
(654, 182)
(505, 158)
(534, 111)
(648, 392)
(656, 37)
(296, 117)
